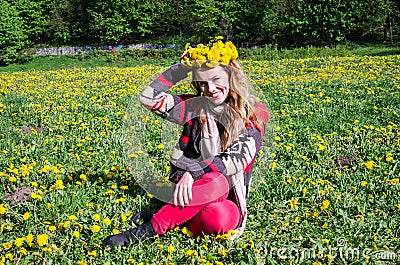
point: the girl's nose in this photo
(211, 87)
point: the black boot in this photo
(142, 216)
(131, 236)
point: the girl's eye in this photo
(203, 84)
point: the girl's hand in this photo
(183, 55)
(183, 190)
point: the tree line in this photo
(287, 23)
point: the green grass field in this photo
(326, 184)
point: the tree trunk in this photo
(390, 29)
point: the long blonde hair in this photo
(241, 105)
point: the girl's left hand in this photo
(183, 190)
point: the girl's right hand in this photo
(183, 190)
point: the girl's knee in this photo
(216, 218)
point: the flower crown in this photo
(214, 53)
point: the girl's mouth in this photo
(216, 95)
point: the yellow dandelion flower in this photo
(394, 181)
(76, 234)
(26, 216)
(92, 253)
(363, 183)
(107, 221)
(389, 157)
(171, 249)
(35, 195)
(232, 232)
(29, 238)
(120, 201)
(304, 191)
(41, 239)
(191, 253)
(96, 217)
(96, 228)
(187, 232)
(293, 204)
(18, 242)
(22, 251)
(7, 245)
(325, 205)
(370, 165)
(9, 256)
(2, 209)
(212, 54)
(72, 217)
(83, 177)
(109, 192)
(321, 147)
(123, 217)
(12, 179)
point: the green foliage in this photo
(243, 18)
(205, 17)
(327, 21)
(60, 27)
(378, 15)
(34, 16)
(276, 21)
(12, 36)
(113, 21)
(288, 23)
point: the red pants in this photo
(209, 211)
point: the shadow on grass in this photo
(374, 52)
(104, 180)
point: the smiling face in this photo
(213, 83)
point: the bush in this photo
(12, 36)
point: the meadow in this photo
(326, 185)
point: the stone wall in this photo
(74, 50)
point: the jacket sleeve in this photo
(156, 97)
